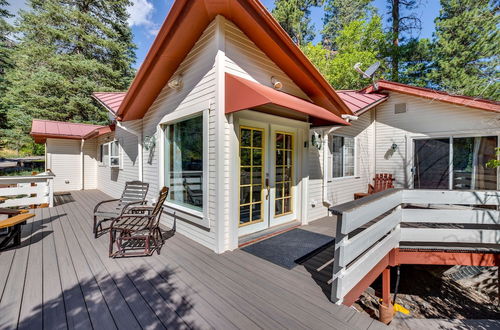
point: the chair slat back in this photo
(382, 181)
(156, 213)
(135, 191)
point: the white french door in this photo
(268, 180)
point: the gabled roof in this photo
(472, 102)
(184, 25)
(361, 101)
(110, 100)
(43, 129)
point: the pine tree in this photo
(68, 49)
(466, 54)
(358, 42)
(403, 21)
(294, 17)
(5, 56)
(340, 13)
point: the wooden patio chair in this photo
(135, 193)
(381, 182)
(141, 223)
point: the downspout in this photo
(326, 133)
(82, 185)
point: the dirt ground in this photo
(434, 292)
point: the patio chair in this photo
(381, 182)
(134, 194)
(141, 223)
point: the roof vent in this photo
(399, 108)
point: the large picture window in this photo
(184, 162)
(342, 148)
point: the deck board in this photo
(61, 277)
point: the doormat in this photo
(290, 248)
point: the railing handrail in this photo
(40, 191)
(356, 255)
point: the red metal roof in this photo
(43, 129)
(111, 100)
(244, 94)
(360, 101)
(473, 102)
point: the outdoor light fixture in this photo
(276, 83)
(316, 140)
(175, 83)
(394, 146)
(149, 142)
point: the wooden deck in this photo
(61, 277)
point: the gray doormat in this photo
(290, 248)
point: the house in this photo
(230, 114)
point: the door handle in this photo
(268, 188)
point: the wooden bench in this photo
(381, 182)
(17, 218)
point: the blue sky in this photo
(146, 17)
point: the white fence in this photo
(27, 190)
(368, 229)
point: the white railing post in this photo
(51, 191)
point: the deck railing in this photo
(369, 228)
(27, 190)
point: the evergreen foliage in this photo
(466, 48)
(5, 56)
(294, 17)
(67, 50)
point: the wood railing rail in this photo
(369, 228)
(27, 190)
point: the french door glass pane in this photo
(251, 175)
(470, 156)
(284, 169)
(432, 163)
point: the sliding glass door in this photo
(455, 163)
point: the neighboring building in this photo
(229, 114)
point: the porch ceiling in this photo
(242, 94)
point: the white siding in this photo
(111, 180)
(90, 164)
(64, 160)
(198, 79)
(424, 117)
(341, 190)
(245, 59)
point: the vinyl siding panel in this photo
(341, 190)
(64, 160)
(198, 90)
(423, 118)
(90, 164)
(245, 59)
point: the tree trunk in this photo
(395, 41)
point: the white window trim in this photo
(120, 154)
(202, 217)
(355, 156)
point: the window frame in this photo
(344, 154)
(105, 160)
(164, 179)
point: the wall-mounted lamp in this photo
(175, 82)
(394, 147)
(276, 83)
(149, 142)
(316, 140)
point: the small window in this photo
(342, 156)
(114, 154)
(109, 154)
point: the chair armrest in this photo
(371, 189)
(103, 202)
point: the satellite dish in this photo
(369, 72)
